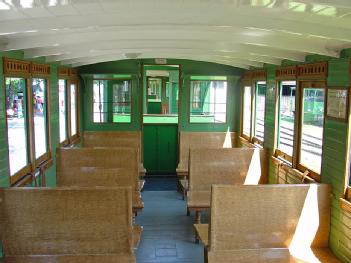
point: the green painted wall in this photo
(334, 148)
(187, 68)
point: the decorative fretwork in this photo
(286, 73)
(16, 67)
(313, 71)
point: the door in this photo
(160, 148)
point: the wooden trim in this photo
(345, 205)
(283, 155)
(16, 67)
(40, 70)
(285, 73)
(73, 72)
(348, 193)
(313, 71)
(62, 72)
(256, 75)
(20, 174)
(256, 141)
(311, 173)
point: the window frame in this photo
(254, 139)
(312, 75)
(28, 73)
(226, 99)
(70, 76)
(245, 84)
(47, 155)
(277, 152)
(251, 80)
(73, 138)
(130, 80)
(66, 141)
(302, 84)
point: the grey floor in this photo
(168, 234)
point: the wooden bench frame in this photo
(259, 223)
(213, 166)
(100, 158)
(99, 176)
(66, 224)
(115, 139)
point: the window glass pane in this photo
(39, 116)
(100, 103)
(73, 109)
(247, 111)
(260, 110)
(286, 117)
(312, 128)
(208, 101)
(16, 122)
(121, 101)
(62, 110)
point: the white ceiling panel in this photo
(238, 32)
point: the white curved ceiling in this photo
(240, 33)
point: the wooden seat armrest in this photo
(137, 231)
(141, 184)
(202, 233)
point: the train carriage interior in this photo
(163, 131)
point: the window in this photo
(286, 119)
(63, 110)
(246, 130)
(16, 115)
(306, 128)
(40, 114)
(100, 101)
(112, 101)
(27, 125)
(312, 122)
(253, 111)
(73, 109)
(260, 104)
(121, 101)
(208, 100)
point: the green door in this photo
(160, 148)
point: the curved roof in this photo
(240, 33)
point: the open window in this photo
(208, 99)
(160, 93)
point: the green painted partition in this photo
(160, 148)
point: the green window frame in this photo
(208, 99)
(112, 100)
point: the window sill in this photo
(345, 205)
(286, 166)
(28, 178)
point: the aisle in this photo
(168, 233)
